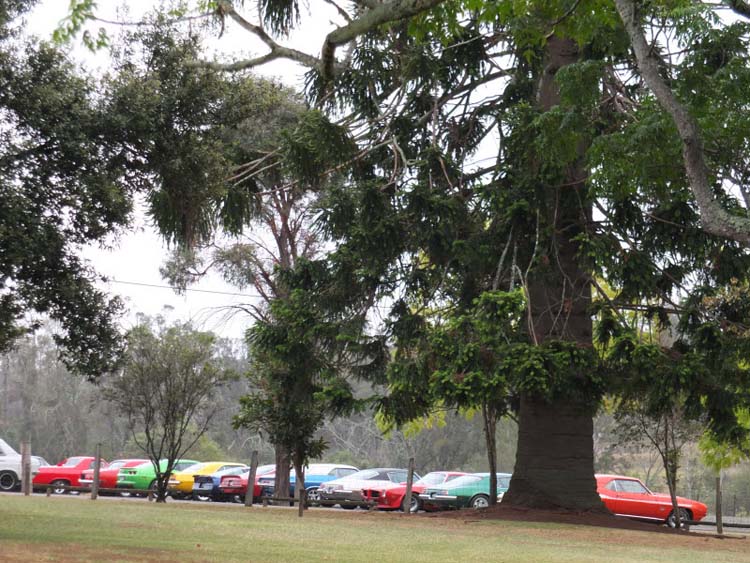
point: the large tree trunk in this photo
(283, 463)
(555, 457)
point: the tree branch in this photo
(715, 219)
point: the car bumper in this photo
(336, 497)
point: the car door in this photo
(610, 497)
(636, 500)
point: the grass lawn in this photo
(76, 529)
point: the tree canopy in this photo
(614, 162)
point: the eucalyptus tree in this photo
(589, 179)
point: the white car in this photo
(10, 467)
(349, 489)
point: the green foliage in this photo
(62, 187)
(169, 377)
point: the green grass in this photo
(77, 529)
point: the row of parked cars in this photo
(331, 484)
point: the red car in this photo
(108, 475)
(392, 498)
(627, 496)
(235, 486)
(66, 473)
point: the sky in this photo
(131, 261)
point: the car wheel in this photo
(8, 481)
(239, 499)
(412, 506)
(57, 486)
(480, 501)
(348, 506)
(202, 498)
(126, 494)
(684, 516)
(313, 496)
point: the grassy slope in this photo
(74, 529)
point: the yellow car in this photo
(180, 483)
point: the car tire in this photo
(201, 498)
(312, 496)
(348, 506)
(684, 516)
(8, 481)
(479, 501)
(57, 485)
(238, 499)
(412, 506)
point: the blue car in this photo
(315, 475)
(206, 487)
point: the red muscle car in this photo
(66, 473)
(627, 496)
(108, 475)
(392, 497)
(234, 486)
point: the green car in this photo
(143, 476)
(469, 491)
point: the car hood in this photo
(354, 484)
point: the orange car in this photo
(627, 496)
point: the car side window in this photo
(343, 471)
(611, 486)
(91, 464)
(633, 487)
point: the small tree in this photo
(164, 390)
(666, 428)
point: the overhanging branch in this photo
(715, 219)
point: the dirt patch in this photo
(588, 523)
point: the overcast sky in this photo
(135, 258)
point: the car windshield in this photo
(195, 468)
(363, 475)
(465, 480)
(397, 476)
(72, 461)
(434, 478)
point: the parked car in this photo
(469, 491)
(315, 475)
(180, 484)
(234, 486)
(392, 498)
(66, 473)
(108, 475)
(350, 489)
(628, 496)
(10, 467)
(143, 476)
(206, 487)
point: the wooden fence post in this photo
(409, 481)
(26, 468)
(97, 467)
(251, 478)
(719, 516)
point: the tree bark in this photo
(489, 417)
(283, 463)
(555, 457)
